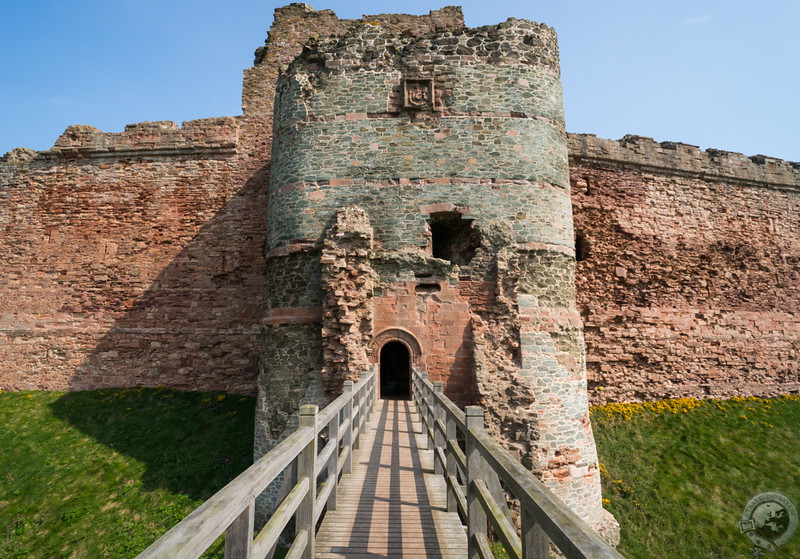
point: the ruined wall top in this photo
(509, 70)
(299, 24)
(371, 45)
(676, 158)
(160, 138)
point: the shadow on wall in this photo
(461, 385)
(196, 326)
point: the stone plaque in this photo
(418, 93)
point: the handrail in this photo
(232, 509)
(475, 491)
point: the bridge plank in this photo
(392, 504)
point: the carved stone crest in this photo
(418, 94)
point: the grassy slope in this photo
(677, 476)
(103, 473)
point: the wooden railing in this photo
(231, 510)
(474, 487)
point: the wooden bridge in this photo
(394, 478)
(392, 505)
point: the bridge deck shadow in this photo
(392, 505)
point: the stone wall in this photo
(689, 273)
(132, 259)
(451, 148)
(119, 249)
(294, 305)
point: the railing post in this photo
(452, 466)
(347, 436)
(358, 412)
(438, 436)
(422, 405)
(333, 462)
(429, 415)
(305, 469)
(239, 535)
(476, 517)
(535, 544)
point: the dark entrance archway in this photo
(395, 371)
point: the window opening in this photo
(428, 288)
(581, 247)
(453, 238)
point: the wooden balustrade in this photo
(231, 509)
(475, 478)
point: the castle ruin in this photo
(400, 191)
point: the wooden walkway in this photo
(392, 505)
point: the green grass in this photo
(103, 473)
(678, 474)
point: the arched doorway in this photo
(395, 371)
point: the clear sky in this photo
(713, 73)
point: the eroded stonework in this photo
(438, 217)
(347, 282)
(440, 214)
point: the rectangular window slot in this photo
(425, 288)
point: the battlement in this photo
(204, 136)
(677, 158)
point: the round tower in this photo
(420, 215)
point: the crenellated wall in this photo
(689, 286)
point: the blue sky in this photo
(718, 74)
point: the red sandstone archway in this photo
(398, 335)
(395, 363)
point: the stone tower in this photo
(420, 215)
